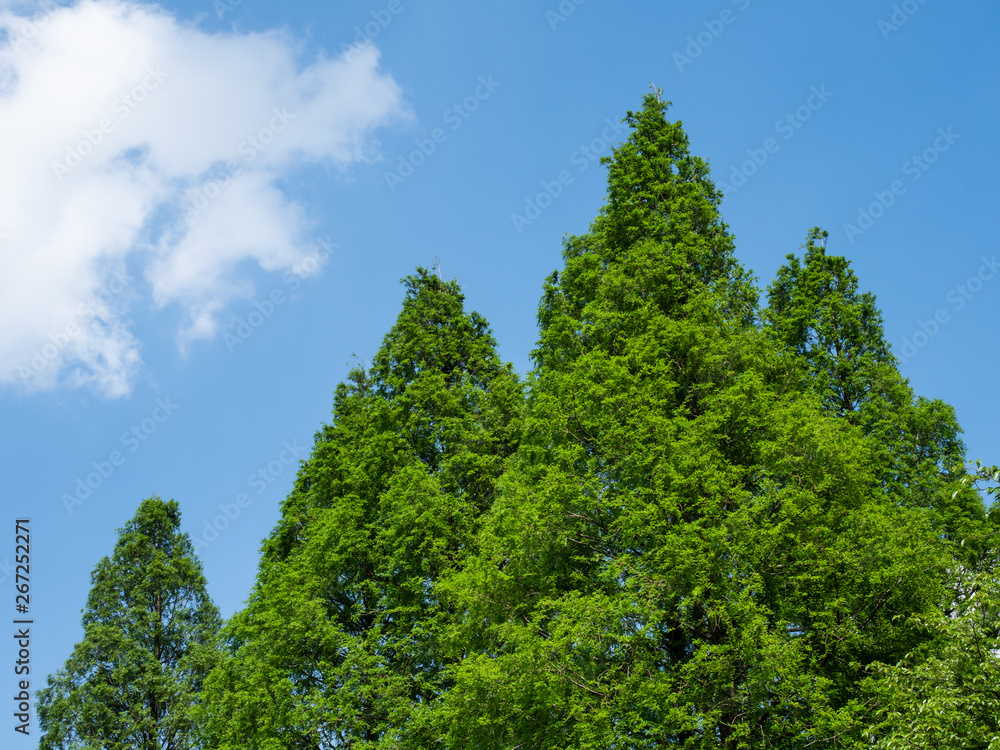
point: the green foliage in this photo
(815, 309)
(342, 642)
(150, 639)
(658, 245)
(690, 548)
(990, 476)
(702, 526)
(944, 693)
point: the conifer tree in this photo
(688, 550)
(815, 308)
(149, 640)
(342, 641)
(695, 532)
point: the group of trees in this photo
(698, 523)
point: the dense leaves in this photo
(944, 693)
(702, 524)
(343, 641)
(150, 635)
(696, 545)
(816, 310)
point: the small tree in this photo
(149, 639)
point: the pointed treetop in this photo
(433, 332)
(149, 641)
(658, 246)
(656, 188)
(816, 309)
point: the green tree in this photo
(816, 309)
(342, 642)
(149, 639)
(689, 550)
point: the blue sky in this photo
(206, 208)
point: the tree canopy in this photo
(697, 523)
(816, 310)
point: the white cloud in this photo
(131, 140)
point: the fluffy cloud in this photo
(141, 160)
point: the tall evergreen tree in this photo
(149, 639)
(816, 309)
(695, 533)
(342, 641)
(689, 550)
